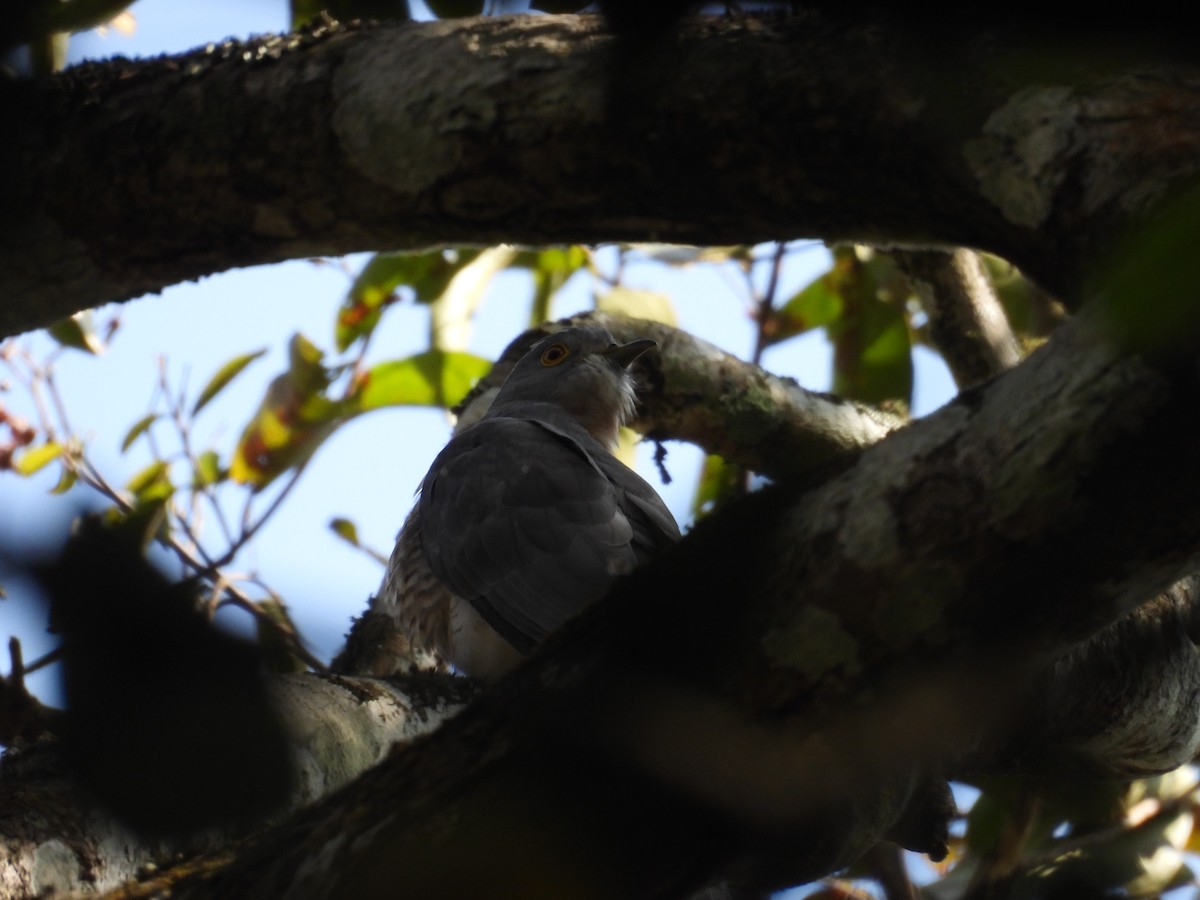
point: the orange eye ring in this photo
(554, 354)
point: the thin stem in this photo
(249, 530)
(44, 660)
(766, 303)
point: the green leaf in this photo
(872, 349)
(346, 530)
(559, 260)
(37, 458)
(78, 332)
(292, 421)
(151, 484)
(639, 304)
(817, 305)
(719, 480)
(306, 371)
(223, 376)
(304, 11)
(427, 275)
(66, 481)
(433, 378)
(208, 469)
(551, 267)
(140, 427)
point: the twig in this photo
(249, 529)
(38, 381)
(44, 660)
(766, 303)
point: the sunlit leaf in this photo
(37, 458)
(638, 304)
(562, 260)
(66, 480)
(153, 483)
(346, 530)
(432, 378)
(817, 305)
(306, 370)
(78, 332)
(208, 469)
(140, 427)
(426, 275)
(719, 480)
(223, 376)
(551, 267)
(292, 421)
(375, 286)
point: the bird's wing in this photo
(523, 522)
(654, 528)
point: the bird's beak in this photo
(624, 354)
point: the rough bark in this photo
(54, 841)
(138, 175)
(967, 324)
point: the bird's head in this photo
(584, 371)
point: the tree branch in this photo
(966, 321)
(56, 841)
(138, 175)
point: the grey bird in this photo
(526, 517)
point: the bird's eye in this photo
(554, 354)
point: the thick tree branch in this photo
(56, 841)
(137, 175)
(691, 390)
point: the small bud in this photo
(23, 433)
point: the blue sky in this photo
(368, 472)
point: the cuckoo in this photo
(526, 517)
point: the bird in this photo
(526, 517)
